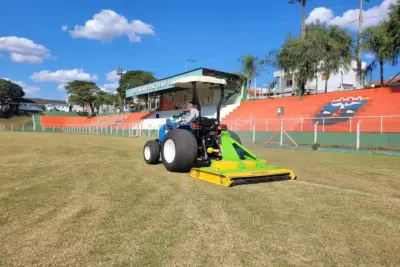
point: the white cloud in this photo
(369, 55)
(320, 13)
(107, 25)
(113, 76)
(110, 85)
(28, 89)
(64, 28)
(62, 76)
(104, 89)
(349, 19)
(23, 50)
(61, 87)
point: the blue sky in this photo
(44, 44)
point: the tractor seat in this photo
(206, 122)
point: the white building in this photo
(343, 80)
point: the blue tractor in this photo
(206, 148)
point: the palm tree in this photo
(376, 40)
(393, 30)
(303, 16)
(250, 67)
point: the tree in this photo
(323, 49)
(303, 16)
(10, 92)
(249, 68)
(376, 40)
(131, 79)
(82, 93)
(134, 78)
(393, 30)
(101, 99)
(296, 56)
(333, 46)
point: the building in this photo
(343, 80)
(163, 95)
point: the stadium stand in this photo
(101, 121)
(59, 121)
(333, 111)
(158, 118)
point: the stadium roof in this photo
(166, 84)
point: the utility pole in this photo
(188, 60)
(119, 71)
(359, 64)
(359, 60)
(303, 16)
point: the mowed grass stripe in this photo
(80, 200)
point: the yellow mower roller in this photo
(207, 149)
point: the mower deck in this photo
(229, 173)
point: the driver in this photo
(194, 113)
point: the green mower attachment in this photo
(238, 166)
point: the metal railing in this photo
(375, 124)
(119, 129)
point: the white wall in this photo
(24, 106)
(334, 81)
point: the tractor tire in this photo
(235, 137)
(179, 151)
(151, 152)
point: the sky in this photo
(45, 44)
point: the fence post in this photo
(302, 121)
(281, 141)
(358, 135)
(381, 124)
(351, 124)
(323, 124)
(254, 134)
(315, 132)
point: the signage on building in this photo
(159, 85)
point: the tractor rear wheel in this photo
(179, 151)
(151, 152)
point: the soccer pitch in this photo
(84, 200)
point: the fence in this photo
(121, 129)
(382, 132)
(372, 124)
(354, 132)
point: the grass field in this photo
(80, 200)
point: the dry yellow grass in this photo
(79, 200)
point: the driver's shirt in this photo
(194, 113)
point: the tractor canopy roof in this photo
(202, 82)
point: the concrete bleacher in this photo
(302, 115)
(152, 122)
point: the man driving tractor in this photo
(194, 112)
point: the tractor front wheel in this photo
(179, 151)
(151, 152)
